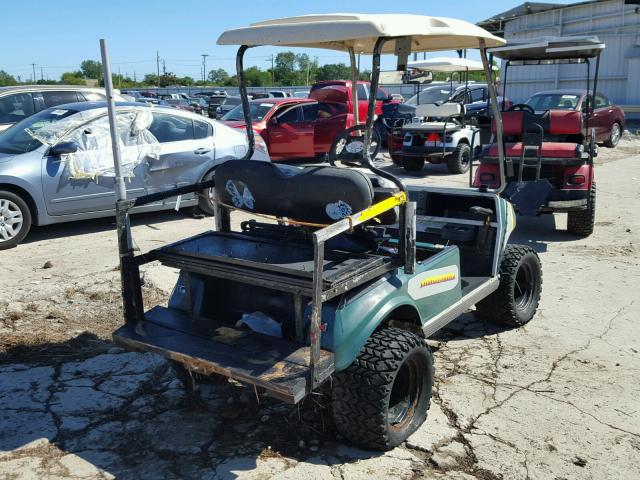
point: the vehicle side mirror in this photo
(63, 148)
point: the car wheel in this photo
(206, 197)
(15, 219)
(614, 136)
(384, 395)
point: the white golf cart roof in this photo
(550, 48)
(447, 64)
(342, 31)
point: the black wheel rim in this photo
(524, 286)
(464, 160)
(405, 394)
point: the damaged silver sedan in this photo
(56, 166)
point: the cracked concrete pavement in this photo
(557, 399)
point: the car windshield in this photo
(553, 101)
(431, 95)
(17, 139)
(258, 112)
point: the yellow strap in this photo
(381, 207)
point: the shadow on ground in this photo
(127, 414)
(83, 227)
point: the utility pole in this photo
(119, 77)
(41, 74)
(204, 66)
(158, 67)
(164, 68)
(34, 72)
(273, 74)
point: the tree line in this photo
(288, 69)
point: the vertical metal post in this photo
(504, 84)
(315, 331)
(488, 72)
(354, 86)
(245, 101)
(129, 271)
(410, 238)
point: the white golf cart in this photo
(349, 278)
(440, 133)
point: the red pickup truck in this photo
(305, 127)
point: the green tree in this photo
(218, 76)
(285, 68)
(91, 69)
(72, 78)
(333, 71)
(6, 80)
(255, 77)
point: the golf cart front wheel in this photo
(516, 300)
(384, 395)
(582, 222)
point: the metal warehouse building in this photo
(615, 22)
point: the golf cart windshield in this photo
(258, 112)
(436, 94)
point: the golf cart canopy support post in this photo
(129, 271)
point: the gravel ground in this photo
(557, 399)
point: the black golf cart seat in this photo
(448, 117)
(315, 194)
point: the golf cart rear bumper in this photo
(566, 200)
(206, 347)
(430, 154)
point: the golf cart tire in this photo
(362, 392)
(204, 203)
(17, 201)
(413, 164)
(582, 222)
(456, 162)
(504, 306)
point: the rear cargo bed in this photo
(208, 346)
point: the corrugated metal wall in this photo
(616, 24)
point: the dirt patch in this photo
(629, 145)
(42, 330)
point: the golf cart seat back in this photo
(312, 194)
(431, 110)
(558, 125)
(556, 150)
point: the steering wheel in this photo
(348, 146)
(519, 107)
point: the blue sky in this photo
(58, 34)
